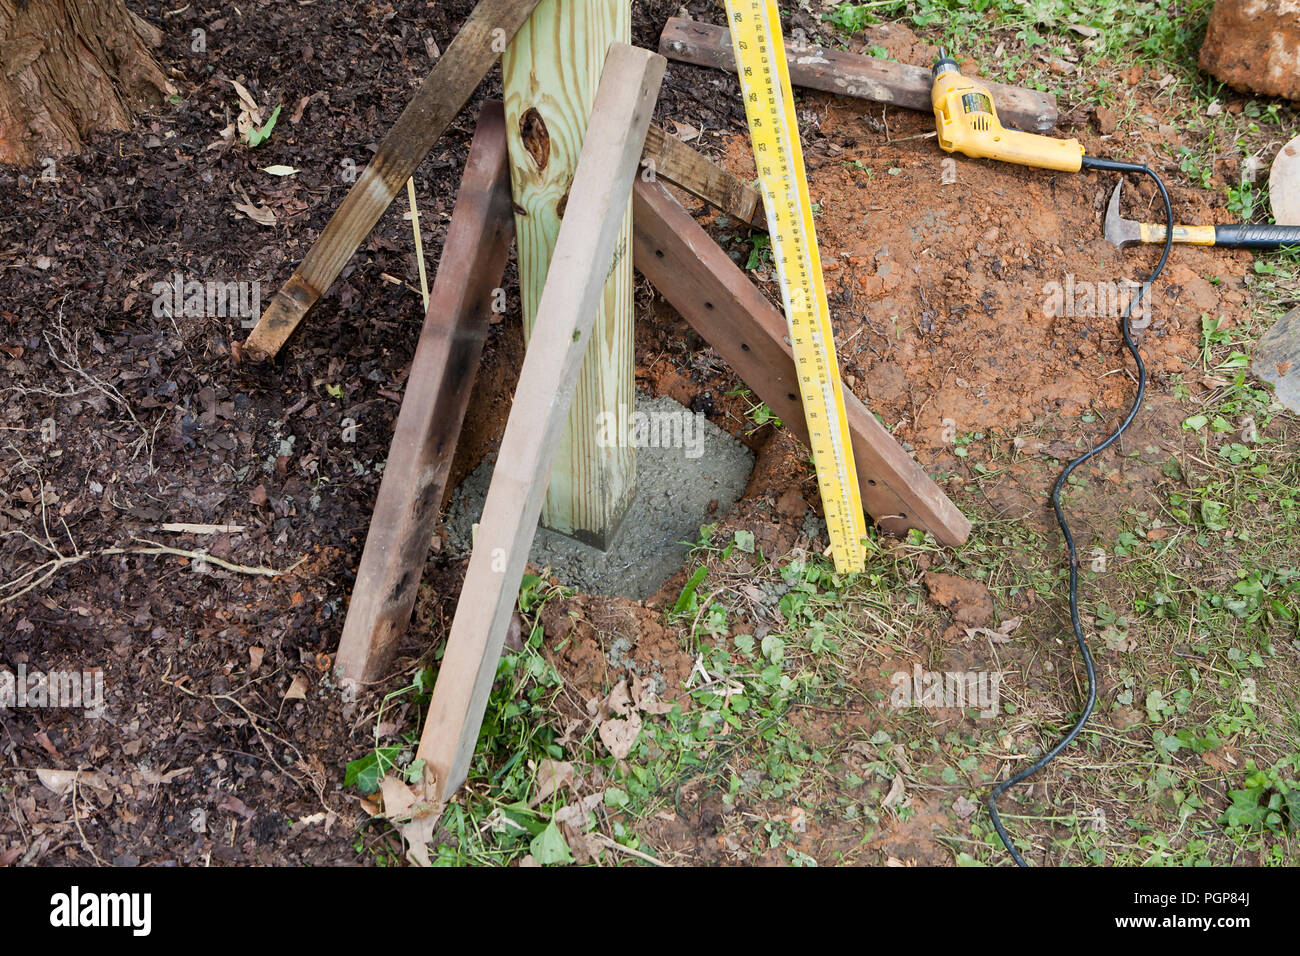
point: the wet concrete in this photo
(693, 482)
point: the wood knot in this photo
(536, 137)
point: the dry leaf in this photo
(297, 690)
(895, 794)
(575, 814)
(686, 133)
(227, 137)
(551, 776)
(619, 701)
(583, 847)
(619, 736)
(259, 214)
(645, 698)
(399, 799)
(250, 117)
(425, 812)
(281, 170)
(154, 778)
(246, 100)
(57, 781)
(964, 807)
(570, 734)
(296, 118)
(1000, 635)
(255, 655)
(418, 834)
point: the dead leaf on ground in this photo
(57, 781)
(999, 635)
(570, 734)
(399, 799)
(686, 133)
(258, 213)
(418, 834)
(298, 689)
(619, 701)
(620, 736)
(896, 790)
(645, 697)
(414, 811)
(154, 778)
(261, 215)
(250, 115)
(575, 814)
(552, 775)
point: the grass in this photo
(786, 750)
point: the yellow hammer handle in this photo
(1185, 235)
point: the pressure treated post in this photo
(551, 70)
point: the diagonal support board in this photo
(443, 94)
(584, 255)
(433, 409)
(715, 296)
(851, 74)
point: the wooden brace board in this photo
(668, 157)
(851, 74)
(433, 408)
(585, 252)
(715, 296)
(441, 97)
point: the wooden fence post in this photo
(586, 249)
(551, 70)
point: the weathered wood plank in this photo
(584, 254)
(437, 395)
(851, 74)
(443, 94)
(668, 157)
(715, 296)
(551, 71)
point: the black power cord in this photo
(1108, 165)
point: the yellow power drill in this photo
(968, 123)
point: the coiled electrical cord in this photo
(1108, 165)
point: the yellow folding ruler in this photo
(774, 130)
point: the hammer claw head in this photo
(1119, 231)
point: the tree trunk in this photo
(70, 68)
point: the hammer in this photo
(1125, 232)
